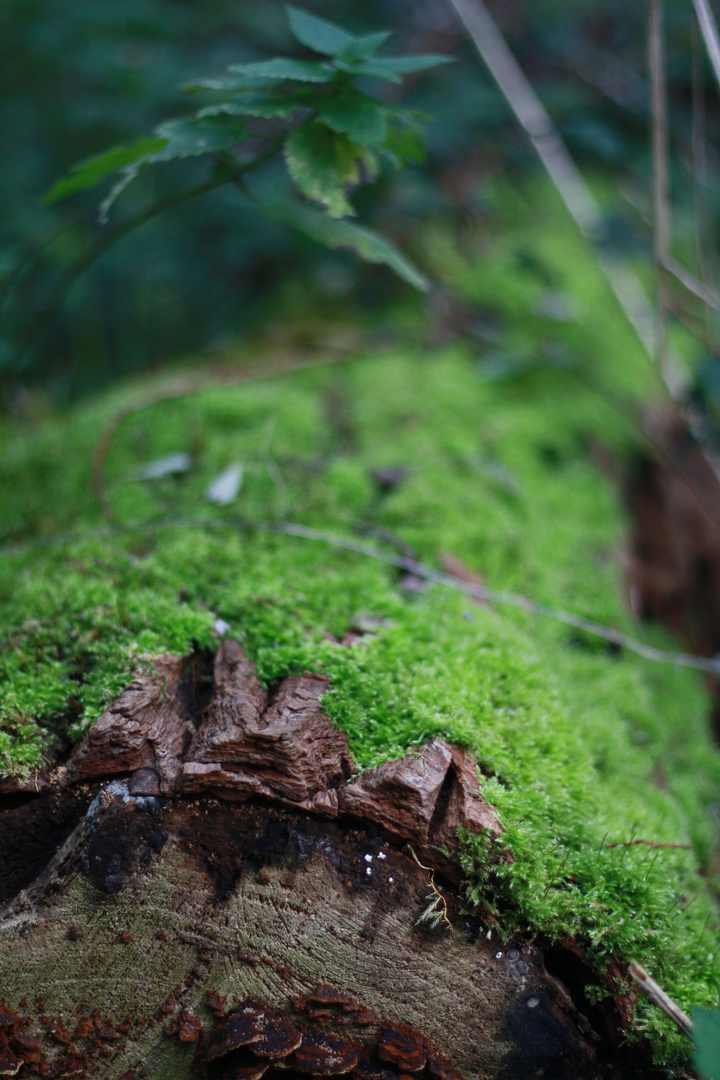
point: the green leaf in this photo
(354, 114)
(87, 174)
(707, 1042)
(191, 136)
(366, 243)
(285, 68)
(405, 144)
(318, 34)
(268, 106)
(362, 48)
(208, 132)
(321, 163)
(347, 111)
(393, 68)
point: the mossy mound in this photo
(581, 745)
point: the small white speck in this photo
(368, 872)
(498, 956)
(368, 858)
(221, 627)
(533, 1003)
(382, 855)
(391, 879)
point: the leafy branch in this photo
(332, 135)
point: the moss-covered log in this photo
(165, 922)
(569, 815)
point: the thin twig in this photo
(649, 843)
(699, 170)
(18, 270)
(107, 240)
(703, 292)
(359, 547)
(658, 997)
(709, 30)
(661, 191)
(565, 175)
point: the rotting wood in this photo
(197, 880)
(146, 727)
(286, 748)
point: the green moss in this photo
(571, 736)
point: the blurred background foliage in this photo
(78, 78)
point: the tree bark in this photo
(208, 887)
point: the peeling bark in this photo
(239, 902)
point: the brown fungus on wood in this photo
(8, 1018)
(10, 1064)
(370, 1070)
(324, 994)
(71, 1065)
(402, 1047)
(216, 1002)
(84, 1027)
(26, 1047)
(279, 1039)
(324, 1054)
(440, 1068)
(59, 1032)
(268, 1033)
(107, 1031)
(190, 1026)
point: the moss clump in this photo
(572, 737)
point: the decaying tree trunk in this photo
(208, 888)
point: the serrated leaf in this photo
(229, 84)
(88, 173)
(320, 162)
(356, 115)
(165, 466)
(267, 106)
(334, 234)
(392, 68)
(405, 144)
(225, 487)
(364, 46)
(191, 136)
(318, 34)
(285, 68)
(348, 111)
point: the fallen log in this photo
(238, 901)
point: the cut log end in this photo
(237, 904)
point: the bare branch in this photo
(649, 843)
(658, 997)
(565, 175)
(709, 30)
(661, 196)
(691, 283)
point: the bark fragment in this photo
(286, 750)
(145, 728)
